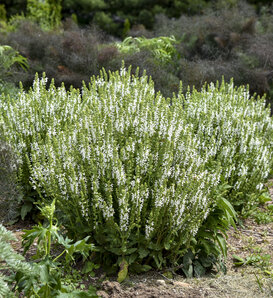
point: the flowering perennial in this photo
(132, 169)
(114, 154)
(236, 130)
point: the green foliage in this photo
(162, 47)
(49, 234)
(260, 210)
(47, 13)
(136, 11)
(210, 248)
(42, 279)
(104, 20)
(9, 57)
(254, 259)
(3, 16)
(12, 261)
(8, 88)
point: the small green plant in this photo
(49, 235)
(47, 13)
(9, 57)
(260, 210)
(257, 259)
(44, 277)
(162, 47)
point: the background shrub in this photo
(230, 40)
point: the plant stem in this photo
(59, 256)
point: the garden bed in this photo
(248, 240)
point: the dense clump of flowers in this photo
(117, 157)
(135, 171)
(236, 130)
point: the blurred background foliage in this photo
(72, 40)
(111, 15)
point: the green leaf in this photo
(138, 268)
(129, 251)
(132, 258)
(270, 207)
(240, 260)
(188, 271)
(228, 209)
(44, 273)
(89, 267)
(206, 261)
(116, 250)
(25, 209)
(167, 245)
(187, 259)
(222, 244)
(265, 197)
(199, 270)
(123, 271)
(143, 252)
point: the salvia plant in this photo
(120, 161)
(136, 172)
(235, 129)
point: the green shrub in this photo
(162, 47)
(139, 173)
(10, 59)
(69, 57)
(46, 13)
(236, 130)
(120, 161)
